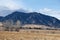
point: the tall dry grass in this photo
(30, 35)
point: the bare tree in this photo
(18, 25)
(8, 24)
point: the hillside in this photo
(32, 18)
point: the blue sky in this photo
(39, 4)
(48, 7)
(32, 4)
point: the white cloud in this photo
(50, 12)
(11, 4)
(14, 4)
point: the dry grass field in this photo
(30, 35)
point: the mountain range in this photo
(32, 18)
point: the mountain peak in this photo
(33, 18)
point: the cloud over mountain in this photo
(5, 11)
(11, 4)
(50, 12)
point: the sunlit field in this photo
(32, 34)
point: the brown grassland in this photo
(26, 34)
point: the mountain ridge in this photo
(33, 18)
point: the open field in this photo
(30, 35)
